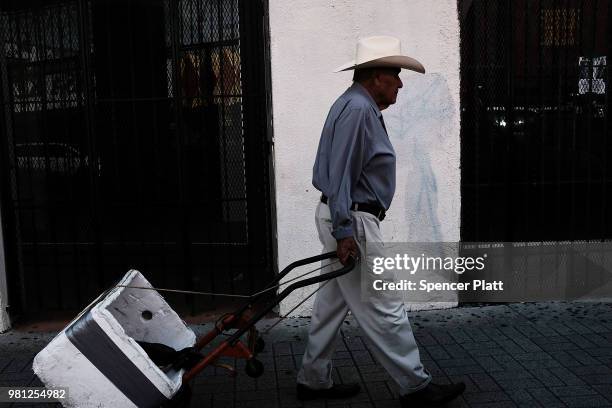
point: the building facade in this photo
(181, 142)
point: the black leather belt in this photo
(375, 210)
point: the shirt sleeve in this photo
(345, 166)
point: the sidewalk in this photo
(525, 355)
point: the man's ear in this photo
(376, 77)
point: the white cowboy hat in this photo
(381, 51)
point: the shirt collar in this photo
(360, 89)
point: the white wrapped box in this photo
(96, 356)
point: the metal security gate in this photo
(134, 135)
(535, 120)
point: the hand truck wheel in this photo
(254, 368)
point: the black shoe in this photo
(432, 395)
(305, 393)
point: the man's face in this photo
(388, 83)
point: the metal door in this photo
(535, 103)
(134, 135)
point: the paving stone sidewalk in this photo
(518, 355)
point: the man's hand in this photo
(347, 247)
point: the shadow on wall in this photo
(421, 124)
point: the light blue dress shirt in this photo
(355, 160)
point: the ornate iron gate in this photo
(535, 120)
(134, 136)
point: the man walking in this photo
(355, 172)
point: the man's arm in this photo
(345, 166)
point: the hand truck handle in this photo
(234, 338)
(299, 284)
(282, 274)
(301, 262)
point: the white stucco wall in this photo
(309, 38)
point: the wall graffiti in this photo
(420, 124)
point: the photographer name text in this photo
(426, 286)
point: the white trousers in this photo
(382, 317)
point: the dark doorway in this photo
(535, 86)
(134, 136)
